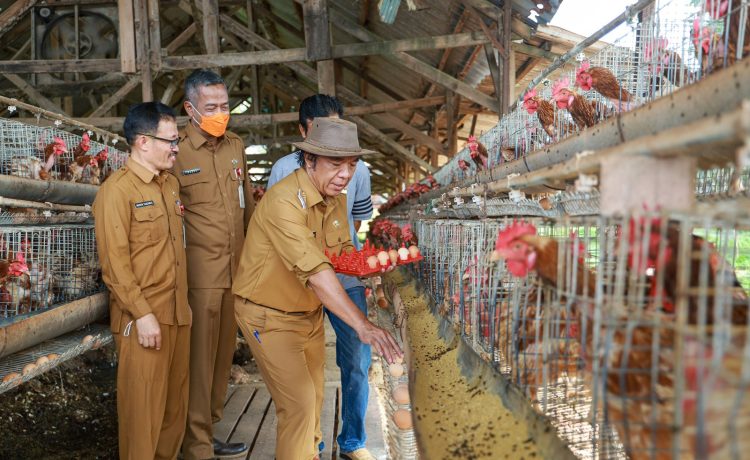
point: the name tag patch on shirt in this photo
(143, 204)
(187, 172)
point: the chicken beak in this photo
(496, 255)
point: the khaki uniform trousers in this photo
(152, 394)
(290, 353)
(212, 341)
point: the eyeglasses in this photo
(172, 142)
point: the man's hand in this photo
(149, 332)
(382, 341)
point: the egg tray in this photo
(367, 271)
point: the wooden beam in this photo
(210, 10)
(414, 64)
(370, 130)
(326, 77)
(507, 69)
(12, 14)
(140, 16)
(494, 67)
(115, 98)
(33, 94)
(534, 51)
(127, 36)
(154, 30)
(60, 65)
(181, 38)
(254, 84)
(487, 32)
(410, 44)
(317, 33)
(277, 56)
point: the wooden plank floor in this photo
(250, 417)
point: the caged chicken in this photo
(80, 281)
(604, 82)
(478, 153)
(15, 288)
(582, 110)
(717, 46)
(545, 112)
(637, 361)
(41, 282)
(52, 152)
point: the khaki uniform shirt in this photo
(288, 243)
(210, 179)
(139, 236)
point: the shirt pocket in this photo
(196, 189)
(149, 224)
(336, 238)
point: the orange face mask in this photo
(215, 125)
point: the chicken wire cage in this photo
(9, 216)
(22, 154)
(59, 265)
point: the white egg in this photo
(396, 369)
(403, 254)
(383, 258)
(372, 262)
(413, 251)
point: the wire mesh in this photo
(24, 153)
(61, 266)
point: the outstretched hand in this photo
(381, 340)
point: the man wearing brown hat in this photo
(284, 278)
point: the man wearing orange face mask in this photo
(218, 200)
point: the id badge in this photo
(241, 191)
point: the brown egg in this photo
(52, 356)
(42, 360)
(28, 369)
(399, 359)
(87, 339)
(413, 251)
(382, 303)
(403, 253)
(396, 369)
(402, 419)
(393, 255)
(383, 258)
(379, 292)
(11, 376)
(401, 394)
(372, 262)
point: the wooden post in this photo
(140, 15)
(154, 29)
(318, 44)
(506, 67)
(450, 121)
(254, 91)
(127, 36)
(211, 27)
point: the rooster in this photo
(604, 82)
(51, 152)
(582, 110)
(544, 110)
(478, 153)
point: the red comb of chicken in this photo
(472, 143)
(103, 154)
(529, 103)
(506, 236)
(85, 142)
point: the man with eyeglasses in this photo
(140, 240)
(218, 200)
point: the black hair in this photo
(301, 158)
(319, 105)
(198, 78)
(144, 118)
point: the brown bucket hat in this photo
(332, 137)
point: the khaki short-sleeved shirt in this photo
(210, 179)
(288, 243)
(139, 237)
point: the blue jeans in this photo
(353, 358)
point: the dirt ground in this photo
(70, 411)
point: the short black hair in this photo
(198, 78)
(144, 118)
(301, 158)
(318, 105)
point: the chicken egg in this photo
(413, 251)
(393, 255)
(402, 419)
(403, 253)
(42, 360)
(401, 394)
(28, 369)
(382, 303)
(11, 376)
(383, 258)
(396, 369)
(87, 339)
(399, 359)
(372, 262)
(52, 356)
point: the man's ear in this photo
(302, 131)
(185, 106)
